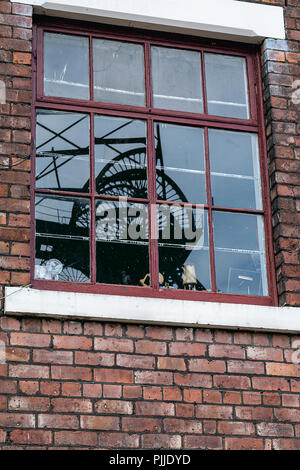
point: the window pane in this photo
(176, 79)
(226, 86)
(240, 253)
(183, 248)
(66, 66)
(120, 157)
(119, 75)
(62, 151)
(122, 249)
(62, 239)
(234, 167)
(180, 163)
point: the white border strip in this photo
(148, 310)
(223, 19)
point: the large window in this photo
(150, 177)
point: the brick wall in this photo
(69, 384)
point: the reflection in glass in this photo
(122, 243)
(226, 86)
(119, 75)
(62, 151)
(180, 165)
(176, 79)
(120, 157)
(66, 66)
(62, 238)
(183, 247)
(240, 253)
(234, 167)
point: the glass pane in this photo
(240, 253)
(120, 157)
(62, 151)
(62, 239)
(183, 248)
(180, 163)
(119, 75)
(122, 243)
(66, 66)
(234, 167)
(226, 86)
(176, 79)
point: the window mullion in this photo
(92, 201)
(210, 216)
(151, 168)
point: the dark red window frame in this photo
(254, 124)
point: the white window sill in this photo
(27, 301)
(219, 19)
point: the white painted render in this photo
(220, 19)
(148, 310)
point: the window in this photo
(150, 177)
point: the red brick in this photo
(187, 349)
(29, 403)
(185, 410)
(151, 347)
(161, 441)
(80, 438)
(28, 339)
(136, 362)
(232, 381)
(287, 414)
(154, 408)
(263, 354)
(171, 363)
(132, 391)
(205, 365)
(203, 442)
(113, 329)
(29, 387)
(118, 440)
(141, 424)
(193, 380)
(235, 427)
(291, 400)
(14, 354)
(100, 423)
(275, 429)
(203, 335)
(72, 342)
(49, 388)
(29, 371)
(52, 357)
(96, 359)
(194, 396)
(135, 331)
(270, 383)
(57, 421)
(112, 391)
(71, 389)
(92, 390)
(212, 396)
(93, 329)
(71, 373)
(232, 398)
(159, 332)
(288, 370)
(16, 420)
(243, 443)
(271, 398)
(113, 344)
(246, 367)
(113, 375)
(152, 393)
(29, 436)
(182, 426)
(214, 411)
(114, 407)
(254, 413)
(232, 351)
(8, 386)
(155, 378)
(72, 405)
(172, 394)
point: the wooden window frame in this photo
(255, 124)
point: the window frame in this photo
(255, 124)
